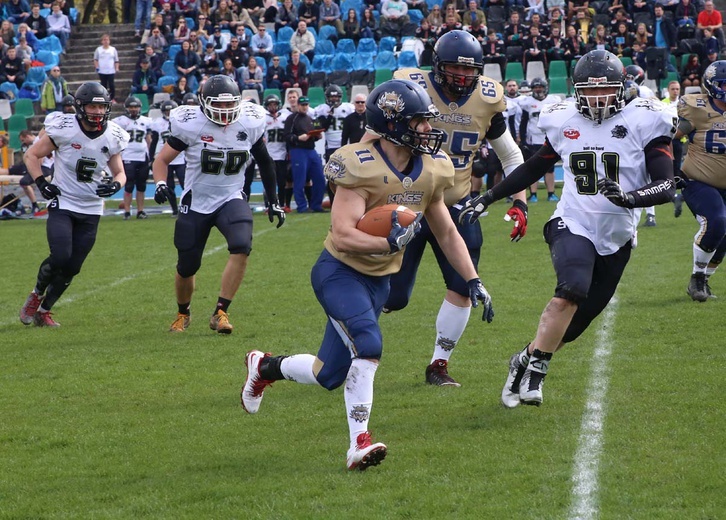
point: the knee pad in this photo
(366, 336)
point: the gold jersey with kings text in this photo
(705, 160)
(362, 167)
(464, 122)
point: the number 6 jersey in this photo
(80, 161)
(592, 151)
(216, 155)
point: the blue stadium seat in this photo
(322, 63)
(407, 59)
(36, 76)
(173, 50)
(283, 61)
(305, 60)
(282, 48)
(367, 45)
(168, 69)
(284, 34)
(262, 63)
(385, 60)
(432, 3)
(415, 15)
(325, 46)
(342, 61)
(50, 43)
(345, 46)
(364, 61)
(356, 5)
(29, 92)
(387, 43)
(50, 59)
(326, 31)
(166, 81)
(10, 90)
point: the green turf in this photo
(110, 416)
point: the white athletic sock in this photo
(450, 325)
(650, 211)
(700, 259)
(358, 395)
(299, 368)
(710, 271)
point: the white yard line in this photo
(585, 482)
(120, 281)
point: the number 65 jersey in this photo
(592, 151)
(216, 155)
(704, 161)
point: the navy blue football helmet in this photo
(635, 73)
(540, 88)
(596, 70)
(714, 80)
(630, 89)
(457, 48)
(392, 106)
(92, 93)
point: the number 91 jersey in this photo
(216, 155)
(464, 122)
(592, 151)
(80, 161)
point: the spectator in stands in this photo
(143, 16)
(474, 13)
(223, 17)
(584, 26)
(351, 27)
(371, 5)
(181, 32)
(217, 39)
(600, 40)
(3, 48)
(181, 89)
(692, 72)
(535, 7)
(615, 6)
(329, 14)
(228, 69)
(685, 19)
(394, 15)
(105, 59)
(38, 24)
(544, 28)
(556, 14)
(710, 18)
(275, 75)
(296, 74)
(12, 68)
(187, 62)
(187, 8)
(579, 6)
(639, 54)
(210, 63)
(494, 50)
(623, 41)
(195, 43)
(514, 32)
(24, 52)
(286, 15)
(642, 36)
(53, 91)
(664, 35)
(435, 18)
(620, 17)
(451, 24)
(261, 44)
(710, 42)
(451, 7)
(354, 124)
(237, 54)
(421, 5)
(164, 30)
(555, 45)
(7, 31)
(252, 76)
(535, 48)
(271, 8)
(478, 31)
(640, 6)
(155, 60)
(25, 32)
(144, 80)
(255, 8)
(205, 27)
(157, 41)
(574, 46)
(303, 41)
(711, 57)
(308, 12)
(170, 17)
(369, 25)
(17, 11)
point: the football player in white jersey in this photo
(88, 147)
(160, 131)
(218, 137)
(278, 149)
(330, 116)
(136, 155)
(616, 157)
(532, 136)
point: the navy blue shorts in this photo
(137, 173)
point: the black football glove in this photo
(162, 193)
(518, 213)
(615, 193)
(47, 190)
(478, 293)
(399, 235)
(108, 189)
(475, 207)
(276, 211)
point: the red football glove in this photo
(518, 213)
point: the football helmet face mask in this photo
(133, 107)
(272, 104)
(540, 88)
(600, 70)
(333, 96)
(461, 50)
(92, 93)
(166, 108)
(714, 80)
(635, 73)
(395, 108)
(220, 100)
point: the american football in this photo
(377, 221)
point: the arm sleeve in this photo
(527, 172)
(523, 127)
(176, 143)
(346, 132)
(659, 163)
(267, 169)
(497, 127)
(508, 152)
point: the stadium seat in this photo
(345, 46)
(10, 90)
(558, 69)
(383, 75)
(328, 32)
(316, 96)
(625, 60)
(692, 90)
(514, 71)
(29, 92)
(364, 61)
(155, 113)
(144, 104)
(340, 78)
(50, 43)
(342, 62)
(367, 45)
(305, 60)
(36, 76)
(282, 48)
(361, 77)
(16, 123)
(271, 92)
(166, 83)
(283, 62)
(191, 23)
(173, 50)
(5, 110)
(324, 47)
(407, 59)
(160, 97)
(387, 43)
(284, 34)
(432, 3)
(535, 69)
(262, 63)
(25, 107)
(49, 58)
(321, 62)
(317, 79)
(493, 71)
(168, 69)
(356, 5)
(385, 60)
(559, 85)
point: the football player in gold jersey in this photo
(471, 108)
(703, 120)
(402, 165)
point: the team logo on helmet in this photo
(391, 104)
(710, 72)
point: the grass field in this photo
(110, 416)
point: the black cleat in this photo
(697, 288)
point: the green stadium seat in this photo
(383, 75)
(271, 92)
(25, 107)
(558, 69)
(316, 96)
(559, 85)
(144, 104)
(514, 71)
(16, 123)
(626, 61)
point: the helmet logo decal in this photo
(464, 60)
(391, 104)
(98, 99)
(710, 72)
(597, 81)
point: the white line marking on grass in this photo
(584, 504)
(121, 281)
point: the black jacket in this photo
(296, 125)
(354, 126)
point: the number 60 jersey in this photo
(216, 155)
(592, 151)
